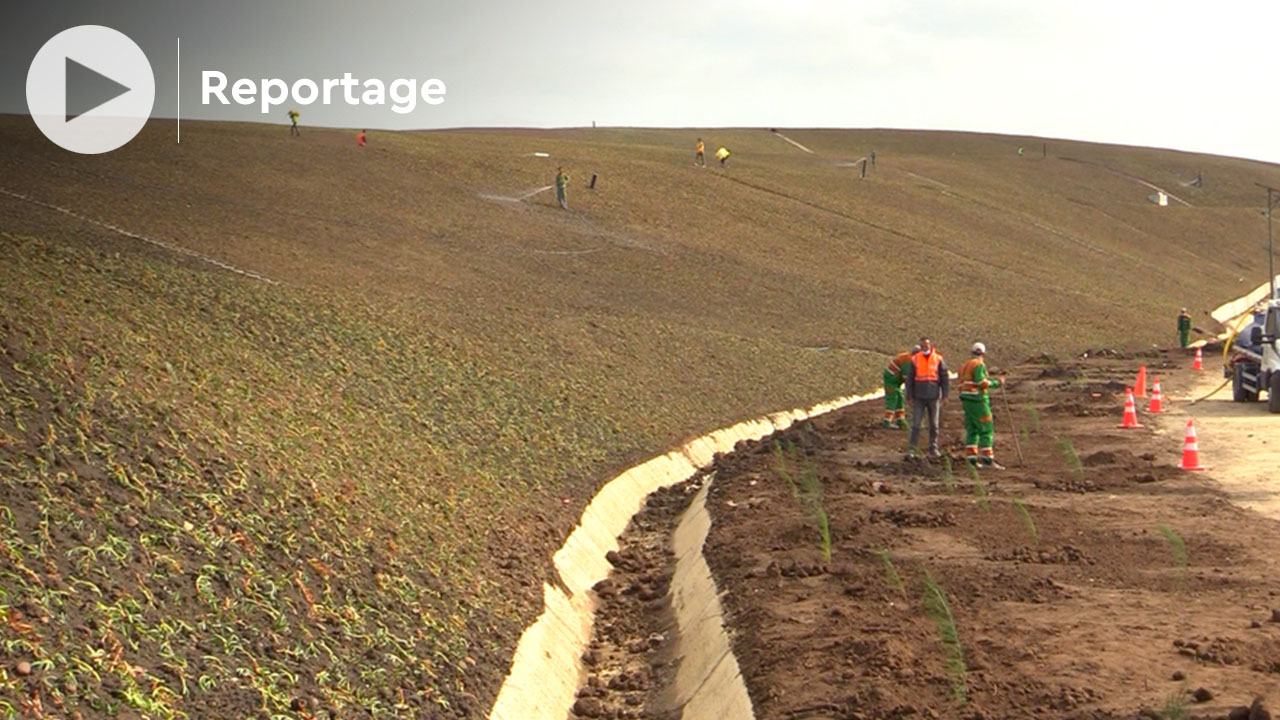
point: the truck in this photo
(1254, 365)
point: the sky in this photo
(1186, 75)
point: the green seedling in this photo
(948, 475)
(780, 466)
(891, 575)
(1033, 416)
(1175, 706)
(938, 610)
(811, 493)
(824, 531)
(1177, 550)
(979, 487)
(1072, 459)
(1028, 522)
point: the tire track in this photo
(882, 228)
(1127, 176)
(143, 238)
(951, 192)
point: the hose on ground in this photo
(1226, 355)
(1211, 393)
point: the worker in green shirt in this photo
(1184, 327)
(979, 425)
(562, 184)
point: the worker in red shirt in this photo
(360, 139)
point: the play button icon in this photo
(90, 89)
(87, 88)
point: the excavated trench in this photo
(673, 660)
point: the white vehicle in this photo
(1255, 364)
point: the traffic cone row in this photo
(1130, 412)
(1157, 399)
(1191, 449)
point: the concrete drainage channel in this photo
(547, 670)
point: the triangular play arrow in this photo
(87, 89)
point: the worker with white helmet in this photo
(979, 426)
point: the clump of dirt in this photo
(1075, 408)
(1063, 555)
(1070, 485)
(913, 518)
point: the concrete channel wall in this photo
(546, 670)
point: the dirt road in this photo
(1239, 443)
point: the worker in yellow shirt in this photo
(722, 155)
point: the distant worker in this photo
(722, 154)
(700, 159)
(979, 425)
(873, 158)
(927, 387)
(293, 117)
(894, 412)
(1019, 151)
(562, 187)
(360, 138)
(1184, 327)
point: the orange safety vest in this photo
(699, 148)
(967, 385)
(898, 361)
(927, 366)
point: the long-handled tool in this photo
(1017, 445)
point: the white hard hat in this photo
(979, 349)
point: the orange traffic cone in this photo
(1140, 385)
(1130, 412)
(1199, 363)
(1191, 449)
(1157, 398)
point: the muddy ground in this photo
(1127, 589)
(1098, 613)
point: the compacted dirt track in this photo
(1097, 580)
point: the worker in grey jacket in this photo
(927, 386)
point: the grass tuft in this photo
(979, 487)
(891, 575)
(939, 611)
(1028, 522)
(1069, 455)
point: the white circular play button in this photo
(90, 89)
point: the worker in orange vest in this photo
(894, 412)
(700, 159)
(927, 387)
(360, 139)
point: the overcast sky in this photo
(1188, 75)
